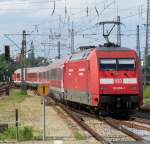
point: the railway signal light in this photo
(7, 52)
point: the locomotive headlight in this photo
(103, 88)
(133, 87)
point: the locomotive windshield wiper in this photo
(125, 69)
(109, 69)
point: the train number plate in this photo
(118, 81)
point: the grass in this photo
(25, 133)
(146, 92)
(79, 136)
(8, 104)
(16, 96)
(29, 110)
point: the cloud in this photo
(21, 5)
(6, 6)
(16, 15)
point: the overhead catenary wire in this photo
(7, 3)
(75, 11)
(54, 8)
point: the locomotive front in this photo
(120, 80)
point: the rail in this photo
(145, 109)
(120, 125)
(145, 121)
(79, 120)
(5, 88)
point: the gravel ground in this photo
(55, 142)
(138, 123)
(107, 131)
(144, 133)
(58, 124)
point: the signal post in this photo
(43, 90)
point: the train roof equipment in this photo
(106, 33)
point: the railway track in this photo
(143, 113)
(109, 130)
(4, 88)
(139, 132)
(85, 126)
(144, 121)
(145, 109)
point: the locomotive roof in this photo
(113, 49)
(73, 57)
(84, 54)
(59, 62)
(80, 55)
(56, 64)
(33, 69)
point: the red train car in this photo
(107, 79)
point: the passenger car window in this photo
(59, 74)
(53, 74)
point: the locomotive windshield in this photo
(108, 64)
(117, 64)
(126, 64)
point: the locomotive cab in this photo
(120, 84)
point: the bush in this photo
(17, 96)
(8, 134)
(79, 136)
(147, 92)
(25, 133)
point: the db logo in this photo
(118, 81)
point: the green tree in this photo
(39, 61)
(148, 60)
(7, 67)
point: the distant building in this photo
(18, 58)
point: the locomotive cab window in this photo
(108, 64)
(126, 64)
(117, 64)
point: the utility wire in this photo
(26, 2)
(53, 8)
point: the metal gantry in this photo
(32, 54)
(59, 52)
(147, 48)
(72, 39)
(107, 33)
(138, 42)
(23, 62)
(118, 32)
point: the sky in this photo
(48, 21)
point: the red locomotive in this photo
(106, 79)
